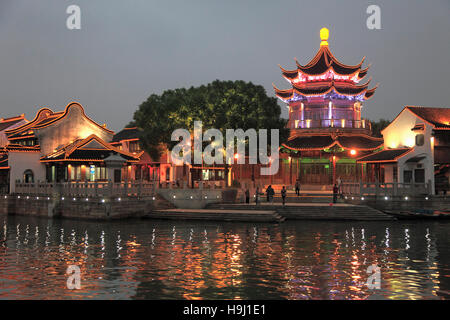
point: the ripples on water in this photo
(144, 259)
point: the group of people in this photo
(270, 193)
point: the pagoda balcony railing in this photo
(330, 123)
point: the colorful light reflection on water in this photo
(144, 259)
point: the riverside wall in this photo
(80, 208)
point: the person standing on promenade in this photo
(335, 193)
(297, 187)
(283, 195)
(339, 185)
(247, 195)
(270, 192)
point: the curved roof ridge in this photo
(37, 118)
(66, 111)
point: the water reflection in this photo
(160, 260)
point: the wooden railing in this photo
(385, 189)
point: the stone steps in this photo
(217, 215)
(316, 212)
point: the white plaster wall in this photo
(398, 135)
(21, 161)
(74, 126)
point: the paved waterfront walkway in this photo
(274, 212)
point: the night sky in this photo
(127, 50)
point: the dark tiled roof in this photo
(5, 124)
(325, 60)
(360, 142)
(309, 142)
(18, 147)
(388, 155)
(127, 134)
(87, 155)
(324, 87)
(319, 142)
(92, 148)
(3, 160)
(439, 117)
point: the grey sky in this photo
(128, 50)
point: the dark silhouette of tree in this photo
(379, 125)
(220, 104)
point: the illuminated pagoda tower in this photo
(327, 132)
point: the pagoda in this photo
(327, 132)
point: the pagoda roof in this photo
(324, 61)
(92, 148)
(324, 87)
(325, 74)
(324, 141)
(387, 155)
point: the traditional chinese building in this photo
(327, 132)
(146, 169)
(7, 124)
(417, 150)
(63, 146)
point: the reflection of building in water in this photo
(414, 272)
(165, 260)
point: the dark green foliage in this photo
(378, 126)
(220, 104)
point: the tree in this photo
(220, 104)
(378, 126)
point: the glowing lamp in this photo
(353, 152)
(236, 156)
(324, 34)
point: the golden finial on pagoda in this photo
(324, 34)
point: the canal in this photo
(149, 259)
